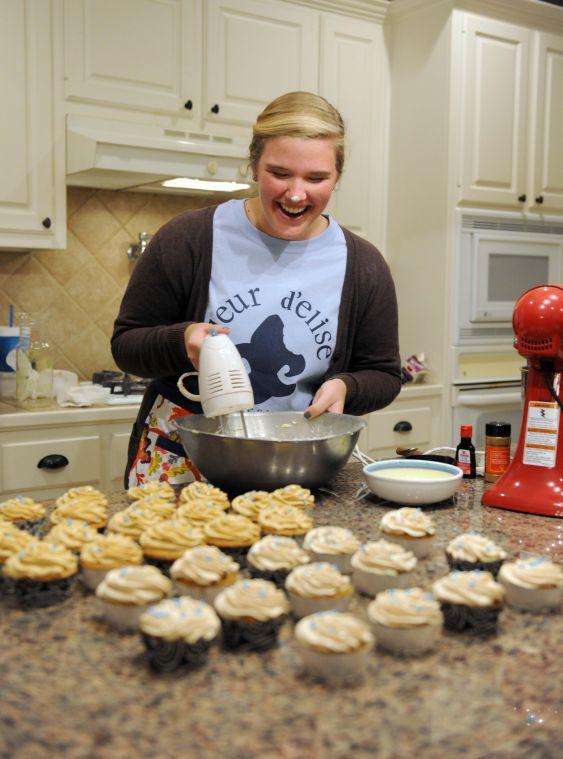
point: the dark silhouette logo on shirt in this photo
(267, 356)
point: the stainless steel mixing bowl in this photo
(281, 448)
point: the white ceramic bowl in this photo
(414, 490)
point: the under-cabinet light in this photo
(209, 186)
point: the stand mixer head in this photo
(533, 482)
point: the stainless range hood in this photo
(116, 155)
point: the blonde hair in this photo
(298, 114)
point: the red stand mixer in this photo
(533, 482)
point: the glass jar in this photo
(34, 362)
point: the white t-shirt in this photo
(280, 300)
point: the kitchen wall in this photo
(80, 288)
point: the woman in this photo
(310, 306)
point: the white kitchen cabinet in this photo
(32, 190)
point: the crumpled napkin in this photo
(69, 392)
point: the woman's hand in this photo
(194, 336)
(329, 397)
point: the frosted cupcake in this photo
(252, 613)
(95, 514)
(178, 632)
(163, 490)
(410, 528)
(532, 584)
(107, 552)
(233, 534)
(42, 574)
(469, 551)
(72, 534)
(284, 520)
(127, 592)
(203, 572)
(334, 646)
(273, 557)
(24, 513)
(379, 565)
(250, 504)
(294, 495)
(199, 512)
(470, 601)
(12, 541)
(85, 494)
(162, 507)
(166, 541)
(133, 521)
(333, 544)
(317, 587)
(407, 622)
(197, 491)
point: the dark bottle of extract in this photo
(465, 453)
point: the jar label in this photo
(497, 459)
(464, 461)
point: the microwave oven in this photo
(495, 266)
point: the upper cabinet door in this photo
(353, 52)
(255, 51)
(142, 54)
(494, 112)
(546, 187)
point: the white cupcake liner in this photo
(407, 641)
(301, 606)
(123, 618)
(421, 547)
(335, 668)
(372, 583)
(536, 600)
(93, 577)
(340, 560)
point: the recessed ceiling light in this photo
(184, 183)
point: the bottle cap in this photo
(497, 429)
(466, 430)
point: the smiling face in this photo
(295, 178)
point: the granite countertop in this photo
(73, 687)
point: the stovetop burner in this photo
(120, 383)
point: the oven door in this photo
(477, 404)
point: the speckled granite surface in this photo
(72, 687)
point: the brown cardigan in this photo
(168, 290)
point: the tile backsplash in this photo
(81, 287)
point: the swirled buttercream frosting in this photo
(469, 588)
(331, 540)
(534, 572)
(252, 599)
(111, 551)
(318, 580)
(472, 547)
(412, 607)
(72, 534)
(82, 495)
(164, 490)
(294, 495)
(96, 514)
(41, 561)
(275, 552)
(12, 540)
(407, 521)
(284, 520)
(251, 504)
(21, 509)
(199, 512)
(180, 618)
(231, 530)
(333, 632)
(203, 566)
(162, 507)
(133, 521)
(196, 491)
(169, 539)
(384, 558)
(134, 586)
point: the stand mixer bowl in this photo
(282, 448)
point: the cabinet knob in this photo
(188, 105)
(215, 108)
(53, 461)
(402, 427)
(522, 198)
(539, 200)
(46, 222)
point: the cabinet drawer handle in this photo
(53, 461)
(522, 198)
(46, 222)
(188, 105)
(215, 109)
(539, 200)
(402, 427)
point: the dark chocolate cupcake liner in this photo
(461, 565)
(168, 656)
(478, 620)
(33, 526)
(32, 594)
(251, 636)
(277, 576)
(237, 553)
(162, 564)
(6, 585)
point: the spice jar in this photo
(497, 449)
